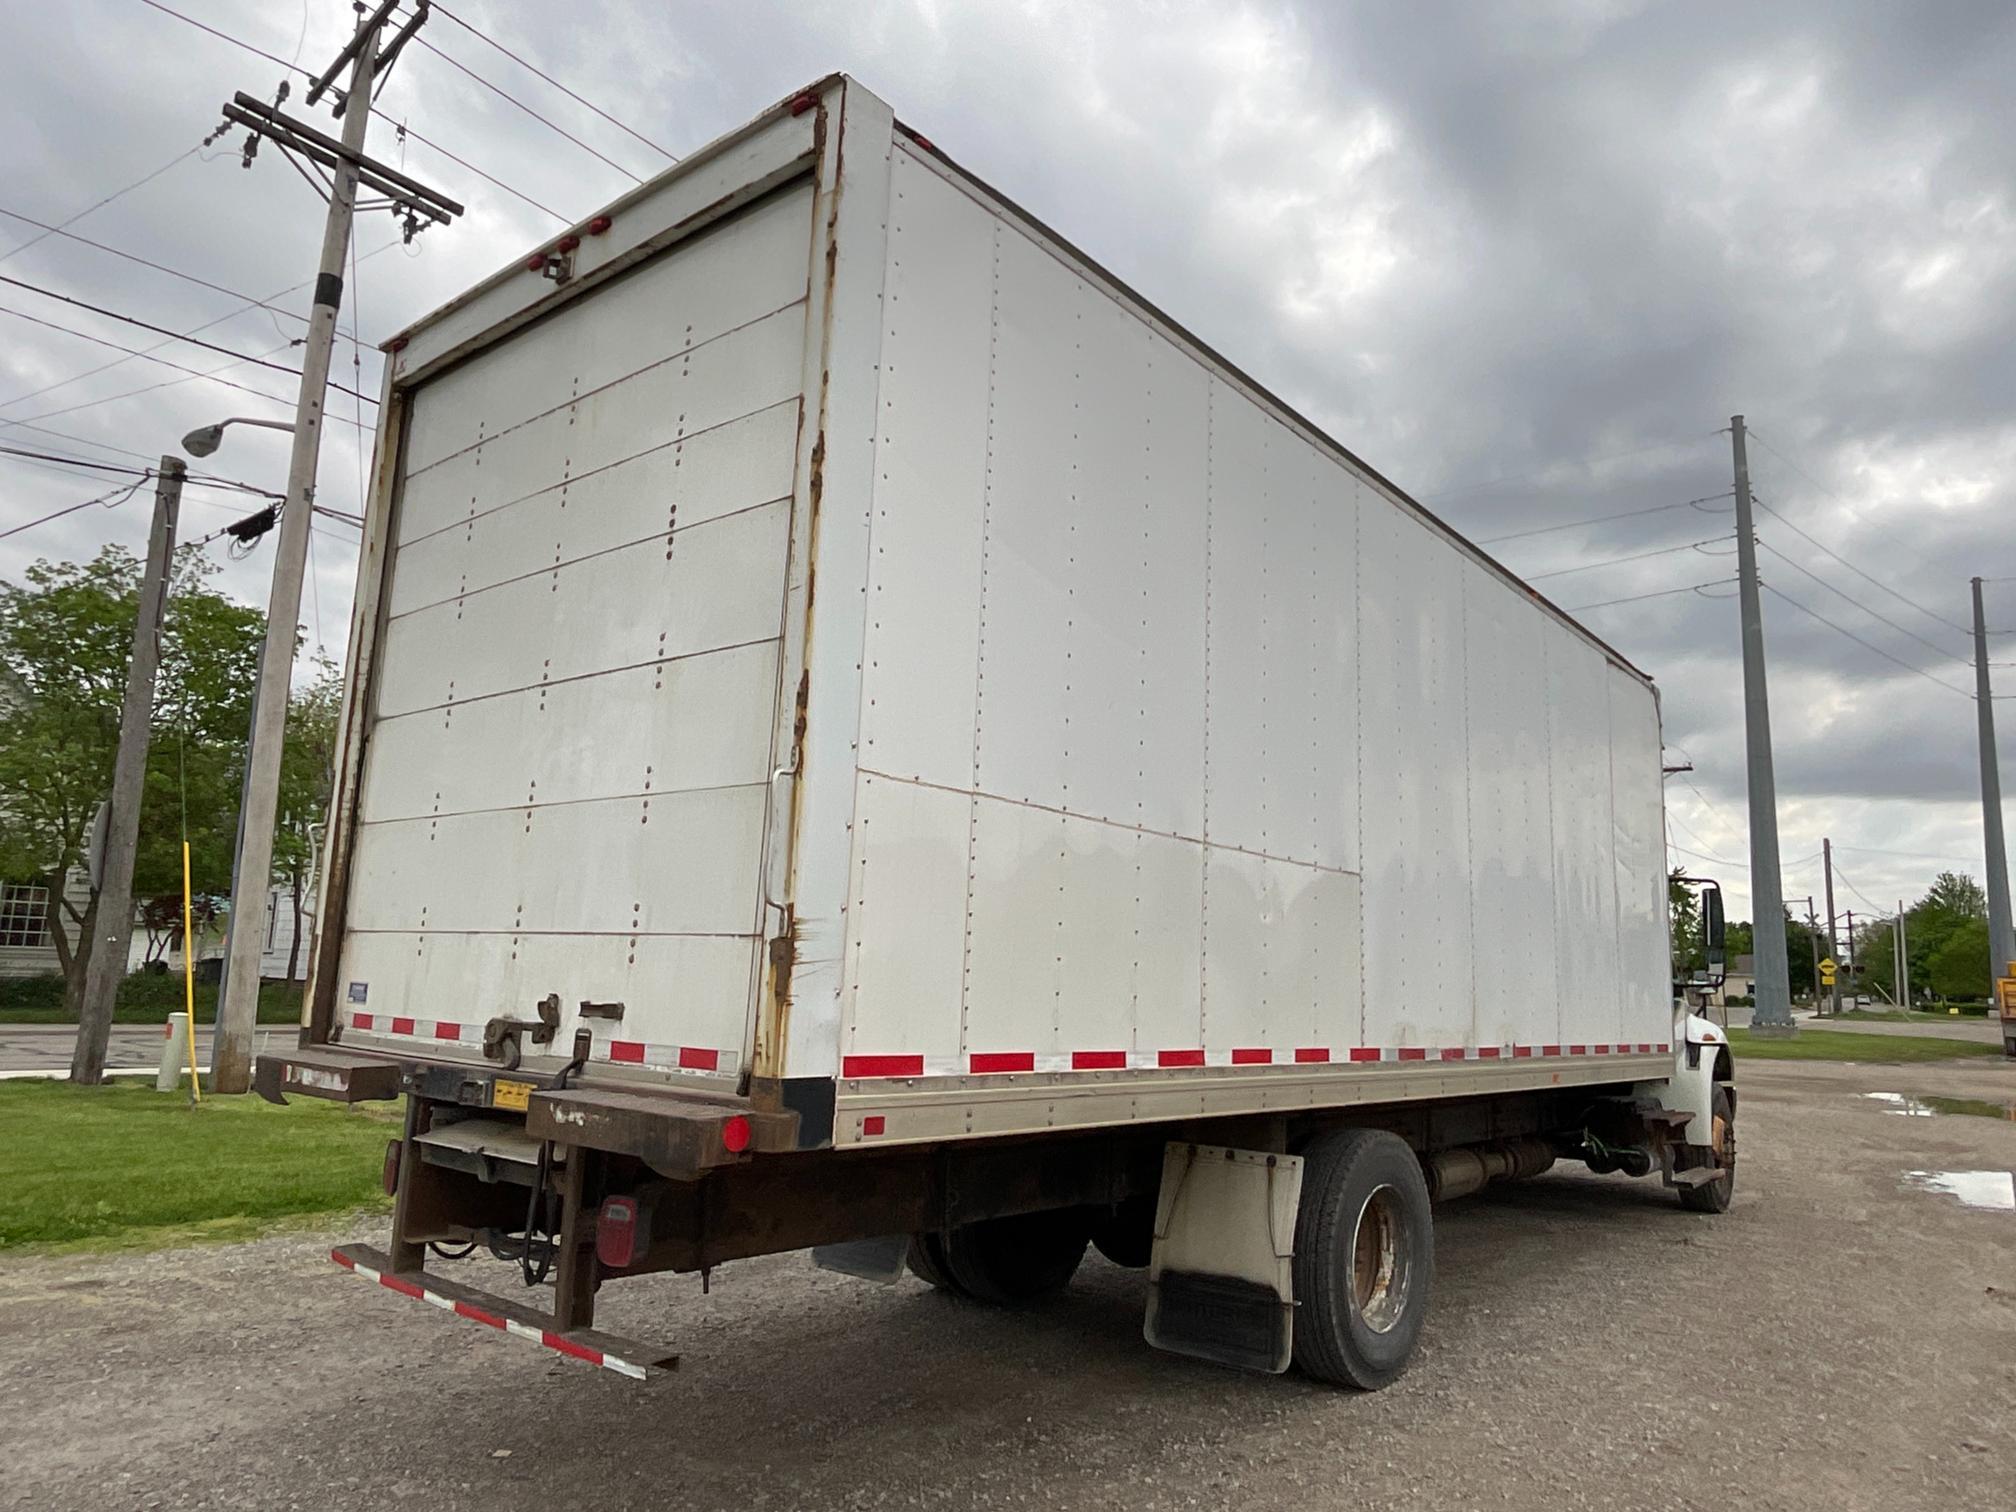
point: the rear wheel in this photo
(1715, 1196)
(927, 1262)
(1125, 1232)
(1018, 1259)
(1364, 1258)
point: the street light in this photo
(206, 439)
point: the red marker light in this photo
(735, 1134)
(622, 1232)
(600, 224)
(535, 263)
(567, 243)
(803, 103)
(396, 344)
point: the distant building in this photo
(1739, 980)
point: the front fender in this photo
(1702, 1060)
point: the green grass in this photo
(123, 1167)
(144, 998)
(1847, 1045)
(1914, 1015)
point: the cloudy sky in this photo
(1525, 258)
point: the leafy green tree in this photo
(1689, 955)
(1959, 966)
(65, 634)
(307, 768)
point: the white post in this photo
(174, 1039)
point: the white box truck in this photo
(864, 735)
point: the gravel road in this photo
(1836, 1341)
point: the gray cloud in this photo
(1526, 259)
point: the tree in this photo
(1959, 966)
(307, 769)
(65, 634)
(1689, 955)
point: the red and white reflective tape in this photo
(1009, 1062)
(619, 1052)
(557, 1342)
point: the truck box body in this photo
(827, 616)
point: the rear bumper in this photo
(678, 1133)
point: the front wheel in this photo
(1364, 1258)
(1715, 1196)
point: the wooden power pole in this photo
(112, 921)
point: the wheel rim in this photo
(1722, 1138)
(1381, 1260)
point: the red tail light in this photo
(622, 1232)
(735, 1134)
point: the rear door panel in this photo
(566, 780)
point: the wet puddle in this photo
(1991, 1191)
(1928, 1107)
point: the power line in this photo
(48, 231)
(1866, 645)
(1829, 551)
(1938, 650)
(408, 131)
(442, 10)
(1876, 850)
(91, 464)
(1636, 556)
(134, 352)
(505, 94)
(260, 52)
(146, 325)
(191, 278)
(1662, 593)
(124, 492)
(1627, 514)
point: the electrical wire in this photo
(408, 131)
(1662, 593)
(1938, 650)
(1829, 551)
(482, 36)
(261, 52)
(1636, 556)
(190, 278)
(1866, 645)
(1876, 850)
(163, 361)
(147, 325)
(107, 499)
(505, 94)
(48, 231)
(1626, 514)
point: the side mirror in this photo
(1714, 933)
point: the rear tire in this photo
(1018, 1259)
(1716, 1196)
(927, 1263)
(1125, 1232)
(1364, 1258)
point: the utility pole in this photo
(105, 965)
(1848, 963)
(1833, 939)
(1904, 964)
(2001, 941)
(1813, 939)
(1773, 993)
(251, 872)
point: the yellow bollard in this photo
(189, 977)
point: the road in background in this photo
(28, 1048)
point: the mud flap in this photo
(1220, 1278)
(881, 1259)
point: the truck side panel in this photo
(1183, 744)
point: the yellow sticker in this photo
(510, 1094)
